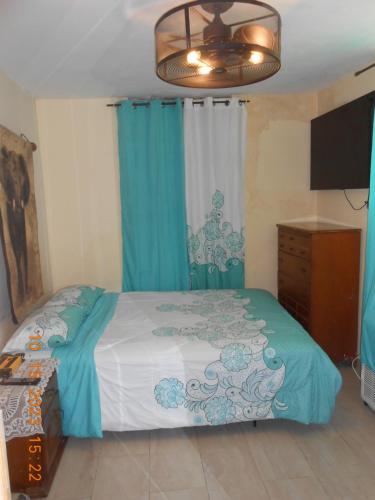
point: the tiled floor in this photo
(276, 460)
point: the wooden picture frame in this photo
(18, 223)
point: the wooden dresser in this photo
(318, 282)
(33, 460)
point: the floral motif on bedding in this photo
(237, 387)
(242, 383)
(84, 296)
(216, 243)
(67, 296)
(47, 328)
(226, 318)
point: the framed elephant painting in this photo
(18, 223)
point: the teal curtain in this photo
(152, 185)
(368, 314)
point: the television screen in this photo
(341, 146)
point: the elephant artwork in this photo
(16, 185)
(18, 223)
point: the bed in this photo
(178, 359)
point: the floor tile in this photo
(306, 488)
(115, 444)
(177, 470)
(276, 454)
(220, 437)
(279, 459)
(360, 488)
(232, 474)
(75, 475)
(333, 461)
(123, 477)
(191, 494)
(173, 440)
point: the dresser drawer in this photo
(299, 311)
(295, 267)
(298, 290)
(294, 244)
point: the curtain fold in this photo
(215, 141)
(368, 305)
(152, 186)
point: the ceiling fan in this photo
(195, 47)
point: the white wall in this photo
(17, 113)
(80, 167)
(277, 178)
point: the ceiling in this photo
(92, 48)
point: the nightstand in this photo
(33, 459)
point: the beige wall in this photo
(17, 112)
(332, 205)
(79, 158)
(277, 178)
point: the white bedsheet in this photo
(137, 351)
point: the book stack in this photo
(9, 363)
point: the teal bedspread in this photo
(258, 361)
(77, 379)
(311, 380)
(240, 357)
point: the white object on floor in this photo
(368, 386)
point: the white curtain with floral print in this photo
(215, 139)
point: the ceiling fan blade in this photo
(164, 48)
(174, 38)
(205, 19)
(254, 19)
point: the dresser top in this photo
(317, 227)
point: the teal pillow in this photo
(79, 295)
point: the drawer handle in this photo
(291, 249)
(302, 252)
(291, 238)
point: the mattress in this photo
(209, 357)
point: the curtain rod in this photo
(172, 103)
(357, 73)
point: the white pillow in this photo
(47, 328)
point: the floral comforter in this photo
(209, 357)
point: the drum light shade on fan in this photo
(218, 44)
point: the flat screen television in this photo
(341, 146)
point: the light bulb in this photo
(256, 57)
(193, 57)
(204, 70)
